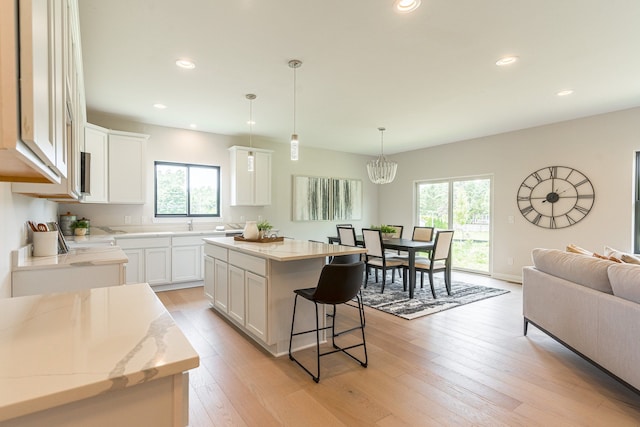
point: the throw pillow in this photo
(622, 256)
(610, 258)
(625, 281)
(583, 270)
(630, 259)
(578, 250)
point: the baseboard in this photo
(176, 286)
(507, 277)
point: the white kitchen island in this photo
(252, 285)
(109, 356)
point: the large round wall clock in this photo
(555, 197)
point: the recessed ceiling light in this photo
(506, 60)
(193, 125)
(565, 92)
(251, 122)
(160, 106)
(186, 64)
(406, 6)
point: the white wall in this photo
(178, 145)
(15, 210)
(602, 147)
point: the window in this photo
(636, 206)
(186, 190)
(462, 205)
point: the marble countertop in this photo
(60, 348)
(96, 255)
(287, 250)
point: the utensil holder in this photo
(45, 243)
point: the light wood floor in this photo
(467, 366)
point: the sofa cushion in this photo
(583, 270)
(625, 281)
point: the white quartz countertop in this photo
(98, 255)
(60, 348)
(287, 250)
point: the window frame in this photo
(188, 167)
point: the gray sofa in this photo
(590, 305)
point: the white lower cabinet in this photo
(149, 259)
(186, 263)
(256, 305)
(209, 288)
(135, 265)
(157, 266)
(236, 284)
(236, 293)
(220, 285)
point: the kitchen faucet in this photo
(190, 225)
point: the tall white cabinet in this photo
(250, 188)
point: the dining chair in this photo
(398, 233)
(338, 284)
(376, 257)
(347, 236)
(438, 260)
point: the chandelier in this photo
(381, 170)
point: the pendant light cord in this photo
(294, 100)
(381, 141)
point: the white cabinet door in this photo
(186, 263)
(220, 283)
(256, 299)
(35, 82)
(209, 282)
(236, 294)
(250, 188)
(135, 265)
(96, 143)
(127, 170)
(157, 266)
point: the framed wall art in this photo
(325, 199)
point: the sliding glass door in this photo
(462, 205)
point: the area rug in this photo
(396, 301)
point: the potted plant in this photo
(387, 231)
(263, 228)
(80, 227)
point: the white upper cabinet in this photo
(250, 188)
(127, 171)
(117, 166)
(96, 140)
(40, 118)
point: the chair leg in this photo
(404, 279)
(384, 279)
(447, 280)
(433, 291)
(316, 378)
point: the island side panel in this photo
(284, 278)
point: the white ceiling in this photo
(429, 77)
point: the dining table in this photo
(406, 245)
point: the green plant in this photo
(81, 223)
(264, 225)
(384, 228)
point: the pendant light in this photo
(294, 63)
(381, 170)
(250, 157)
